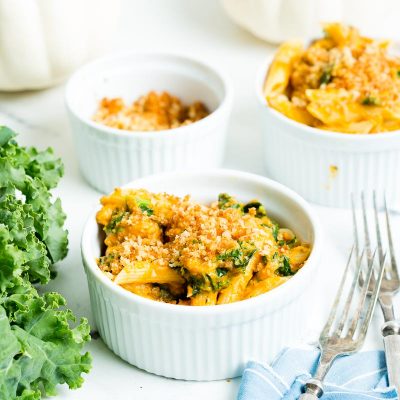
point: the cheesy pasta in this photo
(175, 250)
(342, 82)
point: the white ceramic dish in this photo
(110, 157)
(207, 343)
(305, 158)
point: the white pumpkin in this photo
(279, 20)
(43, 41)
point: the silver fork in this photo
(389, 287)
(344, 333)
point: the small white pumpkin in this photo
(43, 41)
(279, 20)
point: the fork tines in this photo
(391, 268)
(345, 331)
(351, 321)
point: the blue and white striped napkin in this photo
(361, 376)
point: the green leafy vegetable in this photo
(226, 201)
(166, 294)
(285, 269)
(144, 205)
(40, 343)
(260, 209)
(291, 242)
(370, 101)
(275, 231)
(240, 256)
(196, 283)
(326, 76)
(221, 272)
(218, 282)
(264, 259)
(112, 226)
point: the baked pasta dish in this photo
(341, 82)
(175, 250)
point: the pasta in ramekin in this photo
(175, 250)
(342, 82)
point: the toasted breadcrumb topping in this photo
(357, 64)
(189, 250)
(151, 112)
(343, 82)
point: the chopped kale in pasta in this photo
(342, 82)
(175, 250)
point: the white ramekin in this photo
(110, 157)
(305, 158)
(208, 343)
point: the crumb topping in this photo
(343, 82)
(151, 112)
(357, 64)
(161, 239)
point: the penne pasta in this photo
(145, 272)
(343, 82)
(283, 105)
(235, 290)
(279, 72)
(173, 250)
(260, 287)
(298, 255)
(204, 299)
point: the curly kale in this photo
(40, 343)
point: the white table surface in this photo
(190, 27)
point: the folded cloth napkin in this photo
(361, 376)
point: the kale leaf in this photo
(260, 209)
(226, 201)
(285, 269)
(40, 343)
(239, 256)
(370, 101)
(144, 205)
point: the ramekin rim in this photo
(108, 131)
(310, 130)
(311, 263)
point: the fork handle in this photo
(391, 340)
(313, 390)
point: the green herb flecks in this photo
(285, 269)
(264, 259)
(105, 261)
(226, 201)
(165, 293)
(240, 256)
(218, 280)
(144, 205)
(221, 272)
(326, 76)
(370, 101)
(275, 231)
(291, 242)
(113, 225)
(196, 283)
(260, 209)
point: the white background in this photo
(198, 28)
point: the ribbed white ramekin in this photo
(208, 343)
(110, 157)
(326, 167)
